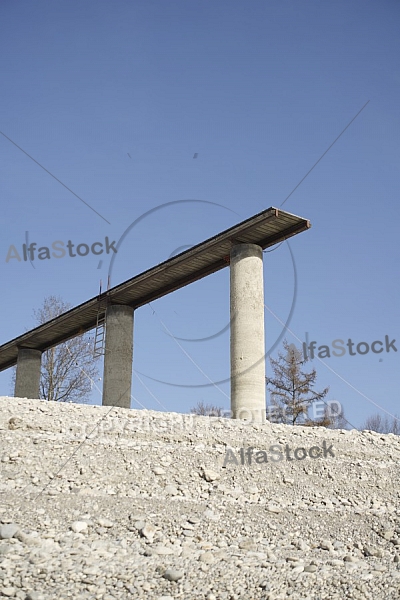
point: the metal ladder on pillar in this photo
(100, 334)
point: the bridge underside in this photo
(240, 246)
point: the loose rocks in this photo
(144, 508)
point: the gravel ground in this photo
(100, 503)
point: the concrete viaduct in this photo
(241, 247)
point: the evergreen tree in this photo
(291, 389)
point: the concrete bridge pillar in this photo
(27, 381)
(117, 375)
(247, 333)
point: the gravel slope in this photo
(144, 508)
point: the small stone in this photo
(378, 569)
(148, 531)
(336, 562)
(387, 534)
(207, 558)
(265, 585)
(79, 526)
(371, 551)
(105, 523)
(171, 490)
(173, 575)
(210, 475)
(158, 471)
(298, 568)
(9, 592)
(288, 480)
(188, 533)
(326, 545)
(28, 540)
(351, 559)
(8, 531)
(162, 550)
(247, 545)
(209, 514)
(395, 574)
(15, 423)
(303, 546)
(273, 509)
(310, 569)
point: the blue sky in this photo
(114, 99)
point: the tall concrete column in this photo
(247, 333)
(27, 380)
(117, 375)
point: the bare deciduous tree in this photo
(383, 424)
(207, 410)
(67, 370)
(291, 388)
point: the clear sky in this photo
(115, 99)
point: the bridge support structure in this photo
(27, 380)
(247, 340)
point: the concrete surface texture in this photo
(117, 374)
(247, 333)
(27, 380)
